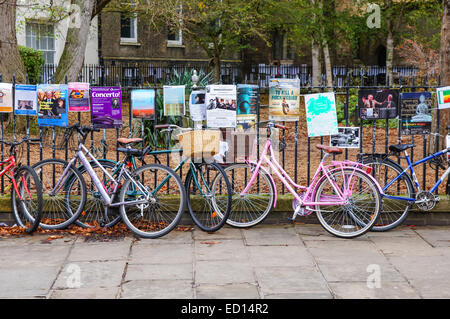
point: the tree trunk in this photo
(445, 62)
(216, 68)
(389, 54)
(10, 62)
(316, 65)
(327, 61)
(72, 58)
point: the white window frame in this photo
(39, 24)
(178, 42)
(133, 24)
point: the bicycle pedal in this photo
(291, 220)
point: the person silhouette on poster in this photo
(285, 106)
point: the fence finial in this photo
(194, 79)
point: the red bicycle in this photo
(26, 197)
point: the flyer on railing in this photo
(347, 137)
(321, 116)
(143, 103)
(78, 97)
(174, 100)
(248, 104)
(52, 105)
(106, 106)
(197, 106)
(6, 100)
(284, 99)
(25, 100)
(220, 106)
(416, 113)
(378, 104)
(443, 97)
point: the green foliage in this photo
(33, 61)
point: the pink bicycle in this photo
(343, 194)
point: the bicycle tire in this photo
(211, 216)
(90, 218)
(239, 217)
(347, 213)
(28, 218)
(394, 212)
(158, 221)
(57, 215)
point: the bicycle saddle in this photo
(400, 147)
(126, 141)
(329, 149)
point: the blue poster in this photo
(247, 105)
(25, 100)
(52, 105)
(143, 103)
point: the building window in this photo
(128, 28)
(41, 36)
(175, 37)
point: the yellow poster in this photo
(284, 99)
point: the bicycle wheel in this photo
(394, 211)
(164, 202)
(364, 203)
(95, 213)
(64, 207)
(252, 208)
(27, 203)
(208, 196)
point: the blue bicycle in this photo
(401, 189)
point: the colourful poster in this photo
(6, 98)
(143, 103)
(443, 97)
(378, 104)
(220, 106)
(25, 100)
(247, 105)
(321, 116)
(52, 105)
(416, 113)
(78, 97)
(106, 107)
(284, 99)
(174, 100)
(197, 106)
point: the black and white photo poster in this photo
(221, 106)
(348, 137)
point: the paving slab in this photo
(317, 232)
(157, 289)
(269, 256)
(180, 271)
(353, 272)
(33, 280)
(360, 290)
(231, 291)
(405, 246)
(114, 250)
(435, 236)
(220, 273)
(174, 237)
(273, 235)
(229, 250)
(161, 254)
(291, 280)
(94, 274)
(85, 293)
(226, 232)
(37, 254)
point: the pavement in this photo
(265, 262)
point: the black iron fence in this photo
(299, 158)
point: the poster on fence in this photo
(106, 107)
(347, 137)
(284, 99)
(52, 105)
(6, 100)
(220, 106)
(378, 104)
(143, 103)
(321, 116)
(174, 100)
(197, 106)
(78, 97)
(247, 105)
(25, 100)
(416, 113)
(443, 97)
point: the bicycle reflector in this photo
(129, 164)
(369, 170)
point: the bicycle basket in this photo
(59, 138)
(200, 143)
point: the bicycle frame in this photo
(11, 165)
(413, 174)
(290, 184)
